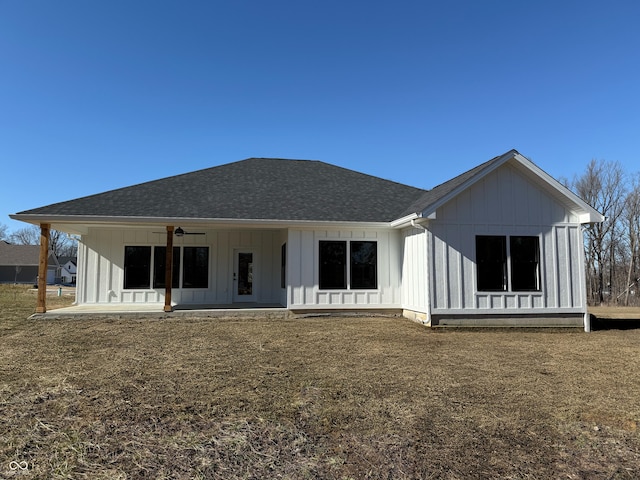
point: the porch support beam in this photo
(41, 305)
(168, 271)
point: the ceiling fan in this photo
(179, 232)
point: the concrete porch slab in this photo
(140, 311)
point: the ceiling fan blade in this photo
(180, 232)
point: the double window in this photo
(145, 266)
(348, 265)
(516, 268)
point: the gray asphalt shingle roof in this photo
(19, 255)
(264, 189)
(256, 188)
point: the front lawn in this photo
(333, 398)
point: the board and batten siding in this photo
(101, 253)
(505, 202)
(414, 270)
(303, 271)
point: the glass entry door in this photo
(244, 288)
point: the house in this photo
(67, 270)
(19, 264)
(500, 244)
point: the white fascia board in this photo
(586, 213)
(590, 218)
(96, 221)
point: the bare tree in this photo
(26, 236)
(602, 185)
(3, 231)
(59, 243)
(631, 218)
(65, 246)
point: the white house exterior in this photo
(514, 201)
(498, 245)
(68, 270)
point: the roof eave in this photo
(591, 218)
(412, 219)
(586, 213)
(91, 220)
(404, 221)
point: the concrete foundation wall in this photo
(559, 320)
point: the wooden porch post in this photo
(41, 306)
(168, 271)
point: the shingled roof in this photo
(262, 189)
(256, 188)
(433, 196)
(19, 255)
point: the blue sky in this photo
(100, 95)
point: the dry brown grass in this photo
(334, 398)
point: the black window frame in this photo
(524, 253)
(333, 264)
(195, 267)
(144, 267)
(491, 263)
(343, 266)
(508, 263)
(137, 267)
(363, 272)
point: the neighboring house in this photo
(68, 269)
(19, 264)
(499, 244)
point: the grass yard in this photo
(331, 398)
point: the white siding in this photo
(303, 271)
(414, 271)
(101, 258)
(505, 203)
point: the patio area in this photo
(147, 311)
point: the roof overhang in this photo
(80, 225)
(412, 219)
